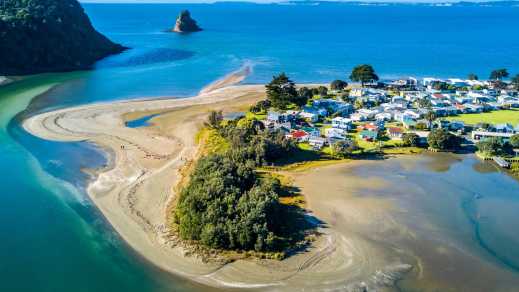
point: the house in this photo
(422, 136)
(286, 125)
(370, 127)
(335, 133)
(333, 140)
(313, 132)
(481, 135)
(457, 125)
(368, 135)
(385, 116)
(369, 113)
(357, 117)
(358, 92)
(273, 116)
(409, 123)
(441, 124)
(312, 117)
(395, 133)
(413, 113)
(333, 106)
(342, 123)
(319, 111)
(317, 142)
(504, 128)
(298, 135)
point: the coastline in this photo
(134, 192)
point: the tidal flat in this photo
(448, 216)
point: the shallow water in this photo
(53, 239)
(456, 225)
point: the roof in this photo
(369, 134)
(299, 134)
(394, 130)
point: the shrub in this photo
(443, 140)
(410, 140)
(342, 149)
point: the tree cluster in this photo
(338, 85)
(343, 149)
(226, 204)
(443, 140)
(363, 74)
(410, 140)
(250, 141)
(48, 35)
(281, 92)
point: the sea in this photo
(51, 236)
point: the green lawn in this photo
(495, 117)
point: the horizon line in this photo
(293, 2)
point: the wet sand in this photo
(423, 210)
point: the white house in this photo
(342, 123)
(335, 133)
(357, 117)
(310, 116)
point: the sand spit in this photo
(134, 193)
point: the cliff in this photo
(185, 23)
(47, 36)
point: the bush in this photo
(410, 140)
(338, 85)
(443, 140)
(342, 149)
(514, 141)
(490, 146)
(250, 141)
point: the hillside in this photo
(47, 36)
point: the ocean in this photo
(53, 239)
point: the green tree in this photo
(306, 92)
(338, 85)
(300, 100)
(423, 103)
(359, 103)
(410, 139)
(514, 141)
(226, 205)
(260, 106)
(322, 90)
(281, 91)
(472, 76)
(443, 140)
(499, 74)
(214, 119)
(490, 146)
(515, 82)
(363, 74)
(430, 116)
(344, 148)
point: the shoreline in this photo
(134, 190)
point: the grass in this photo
(496, 117)
(211, 141)
(259, 116)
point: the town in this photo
(341, 119)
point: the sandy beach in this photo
(134, 192)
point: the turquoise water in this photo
(141, 122)
(53, 239)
